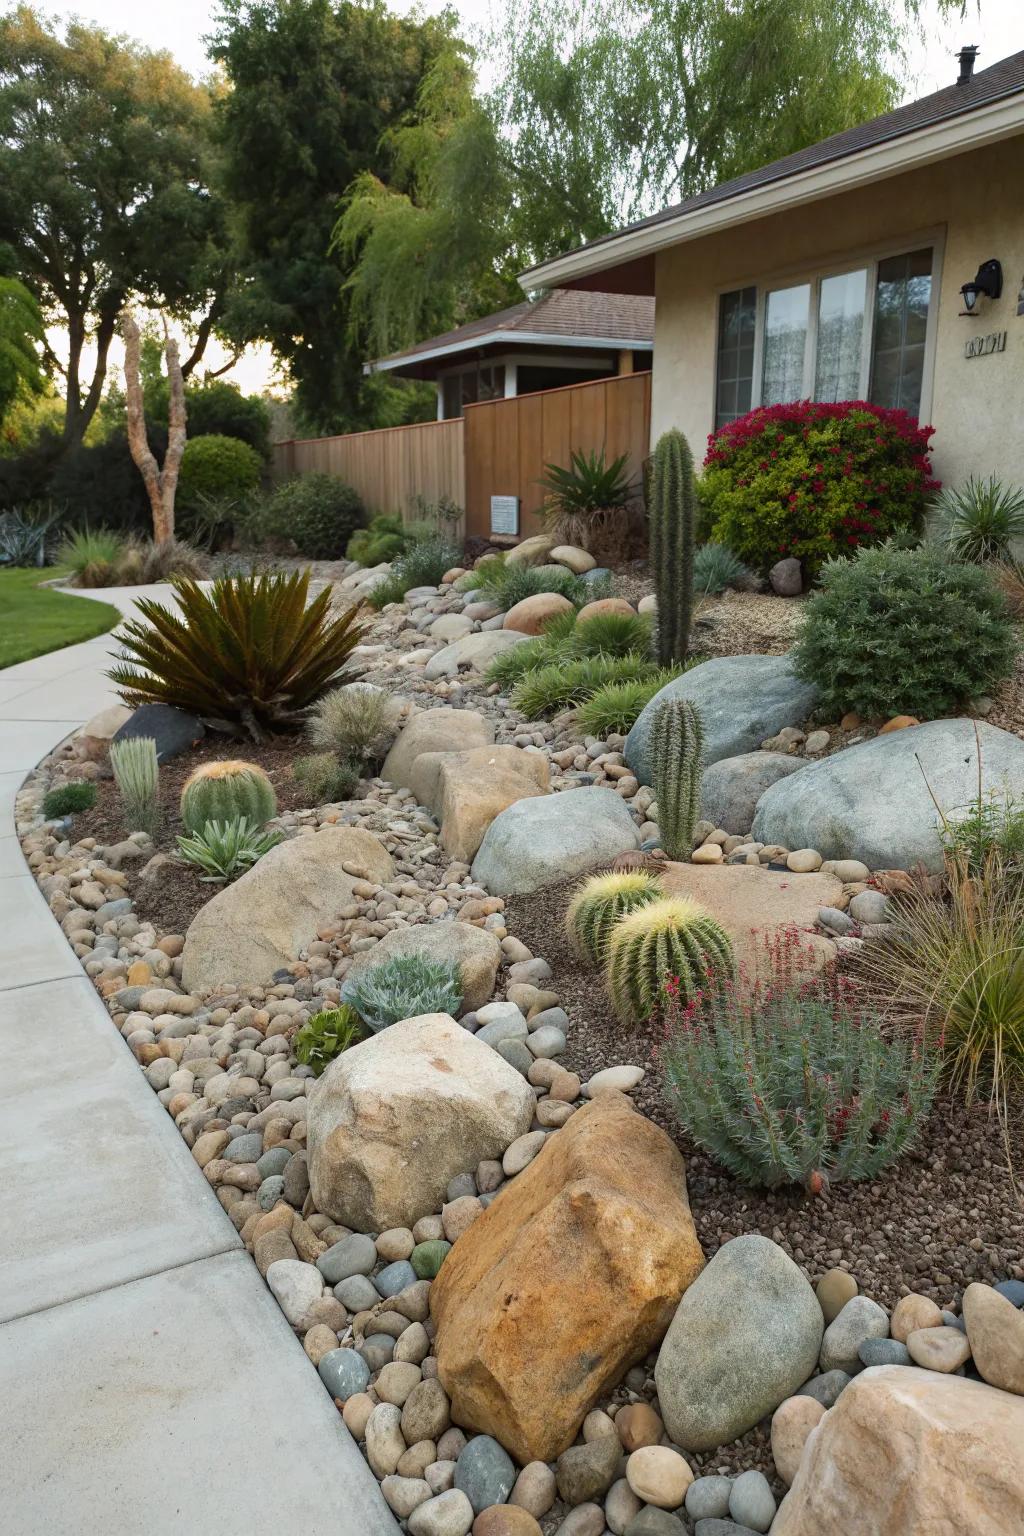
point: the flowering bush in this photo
(813, 480)
(787, 1079)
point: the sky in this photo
(179, 27)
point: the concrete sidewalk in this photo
(148, 1381)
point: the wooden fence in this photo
(389, 468)
(508, 442)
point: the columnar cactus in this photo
(224, 791)
(677, 745)
(675, 940)
(600, 902)
(673, 518)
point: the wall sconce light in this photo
(988, 282)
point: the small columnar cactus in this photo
(672, 938)
(673, 518)
(225, 791)
(137, 776)
(677, 745)
(600, 902)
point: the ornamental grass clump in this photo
(792, 1080)
(981, 519)
(897, 631)
(358, 722)
(404, 987)
(568, 684)
(325, 778)
(565, 638)
(618, 706)
(326, 1035)
(137, 776)
(600, 902)
(674, 937)
(223, 791)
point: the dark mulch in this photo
(172, 897)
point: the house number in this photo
(983, 346)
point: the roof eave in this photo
(936, 141)
(510, 340)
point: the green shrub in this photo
(384, 538)
(903, 632)
(217, 466)
(421, 565)
(403, 987)
(137, 776)
(225, 791)
(677, 748)
(794, 1081)
(214, 408)
(324, 779)
(814, 480)
(673, 938)
(980, 520)
(223, 850)
(69, 799)
(715, 567)
(249, 652)
(618, 706)
(357, 722)
(317, 513)
(326, 1035)
(672, 514)
(599, 903)
(566, 685)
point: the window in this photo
(736, 324)
(846, 335)
(482, 381)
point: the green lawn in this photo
(35, 619)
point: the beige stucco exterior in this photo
(971, 206)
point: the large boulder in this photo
(475, 787)
(476, 950)
(258, 925)
(753, 903)
(531, 551)
(473, 653)
(567, 1280)
(742, 700)
(394, 1119)
(874, 802)
(909, 1452)
(173, 730)
(435, 730)
(538, 841)
(426, 779)
(745, 1336)
(530, 616)
(731, 788)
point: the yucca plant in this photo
(222, 791)
(27, 534)
(618, 706)
(403, 987)
(585, 503)
(674, 937)
(247, 655)
(137, 776)
(326, 1035)
(981, 519)
(567, 685)
(677, 747)
(599, 903)
(226, 849)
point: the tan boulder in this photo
(995, 1332)
(474, 787)
(476, 950)
(257, 925)
(752, 903)
(93, 741)
(577, 560)
(605, 605)
(906, 1452)
(395, 1118)
(531, 551)
(434, 730)
(530, 616)
(426, 772)
(567, 1280)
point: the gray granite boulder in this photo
(549, 837)
(745, 1336)
(743, 700)
(872, 802)
(732, 787)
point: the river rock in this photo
(537, 841)
(476, 951)
(731, 788)
(995, 1330)
(744, 1337)
(397, 1116)
(473, 653)
(792, 1423)
(173, 730)
(860, 1319)
(530, 616)
(484, 1472)
(569, 1278)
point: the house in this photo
(885, 263)
(562, 338)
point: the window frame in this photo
(813, 274)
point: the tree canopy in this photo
(21, 337)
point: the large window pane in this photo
(902, 296)
(452, 397)
(785, 344)
(737, 318)
(840, 336)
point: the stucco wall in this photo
(976, 200)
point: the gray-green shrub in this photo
(403, 987)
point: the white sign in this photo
(505, 514)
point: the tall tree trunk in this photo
(161, 484)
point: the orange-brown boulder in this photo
(530, 615)
(569, 1278)
(602, 605)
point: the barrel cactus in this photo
(672, 512)
(673, 940)
(600, 902)
(677, 744)
(224, 791)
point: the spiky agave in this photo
(600, 902)
(674, 937)
(250, 654)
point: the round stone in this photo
(397, 1243)
(485, 1472)
(404, 1494)
(385, 1445)
(357, 1293)
(396, 1381)
(547, 1042)
(707, 1498)
(939, 1349)
(621, 1505)
(377, 1349)
(792, 1422)
(825, 1389)
(614, 1080)
(449, 1514)
(275, 1160)
(638, 1425)
(860, 1319)
(356, 1413)
(912, 1313)
(751, 1501)
(413, 1344)
(803, 861)
(597, 1426)
(427, 1414)
(835, 1288)
(270, 1192)
(344, 1373)
(417, 1459)
(353, 1255)
(505, 1520)
(883, 1352)
(297, 1286)
(522, 1152)
(426, 1258)
(658, 1475)
(534, 1489)
(395, 1277)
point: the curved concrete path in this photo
(148, 1381)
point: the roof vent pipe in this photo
(967, 56)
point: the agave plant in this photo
(587, 501)
(226, 849)
(245, 655)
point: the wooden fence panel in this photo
(508, 442)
